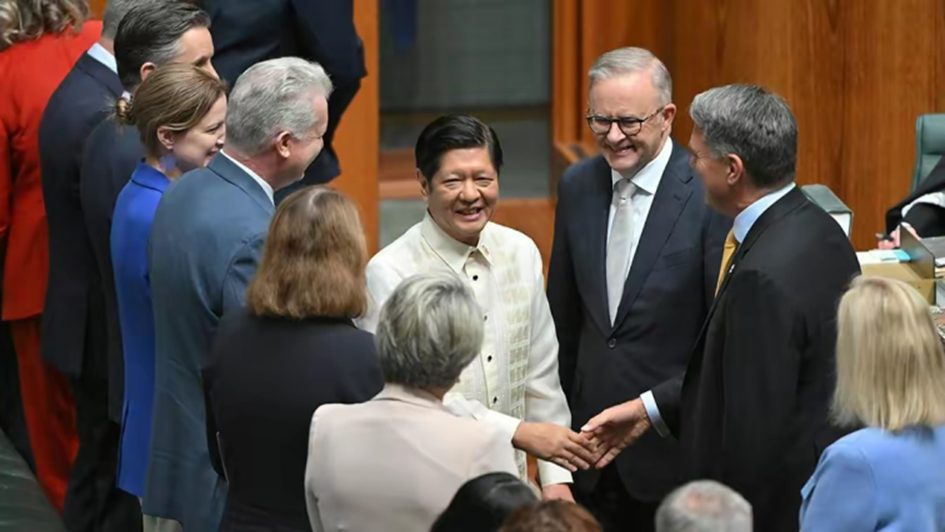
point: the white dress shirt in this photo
(515, 377)
(103, 56)
(646, 181)
(267, 188)
(743, 223)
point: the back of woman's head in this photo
(173, 99)
(551, 516)
(483, 503)
(314, 260)
(25, 20)
(890, 362)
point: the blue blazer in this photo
(74, 338)
(875, 480)
(205, 245)
(131, 229)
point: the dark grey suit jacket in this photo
(74, 337)
(666, 298)
(205, 245)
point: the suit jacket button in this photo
(612, 343)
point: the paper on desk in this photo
(882, 256)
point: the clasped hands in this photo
(598, 443)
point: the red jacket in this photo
(29, 73)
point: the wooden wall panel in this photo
(857, 73)
(357, 140)
(98, 8)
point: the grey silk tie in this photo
(620, 244)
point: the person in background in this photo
(40, 41)
(483, 504)
(179, 113)
(152, 33)
(551, 516)
(206, 240)
(292, 349)
(74, 335)
(514, 383)
(889, 475)
(246, 32)
(922, 211)
(394, 462)
(704, 506)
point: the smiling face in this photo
(195, 147)
(630, 95)
(463, 194)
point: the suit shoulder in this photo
(581, 170)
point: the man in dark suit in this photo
(248, 31)
(152, 33)
(630, 280)
(752, 408)
(74, 336)
(205, 244)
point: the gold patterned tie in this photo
(727, 253)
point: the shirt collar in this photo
(747, 218)
(453, 252)
(409, 394)
(648, 178)
(103, 56)
(267, 188)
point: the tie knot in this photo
(730, 239)
(623, 191)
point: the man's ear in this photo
(669, 113)
(283, 144)
(146, 70)
(736, 169)
(424, 186)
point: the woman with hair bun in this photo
(179, 111)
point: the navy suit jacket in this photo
(205, 245)
(246, 32)
(73, 337)
(666, 297)
(111, 156)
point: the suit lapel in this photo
(668, 203)
(595, 227)
(791, 201)
(100, 73)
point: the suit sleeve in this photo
(760, 368)
(544, 398)
(841, 495)
(240, 272)
(213, 444)
(326, 35)
(563, 298)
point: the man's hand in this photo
(556, 444)
(616, 428)
(555, 492)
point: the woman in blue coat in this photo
(891, 379)
(179, 111)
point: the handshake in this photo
(598, 443)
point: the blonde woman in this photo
(40, 40)
(890, 378)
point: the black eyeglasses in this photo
(629, 125)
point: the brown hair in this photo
(25, 20)
(314, 260)
(551, 516)
(176, 96)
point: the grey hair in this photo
(756, 125)
(271, 97)
(429, 331)
(114, 13)
(704, 506)
(630, 60)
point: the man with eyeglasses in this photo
(633, 272)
